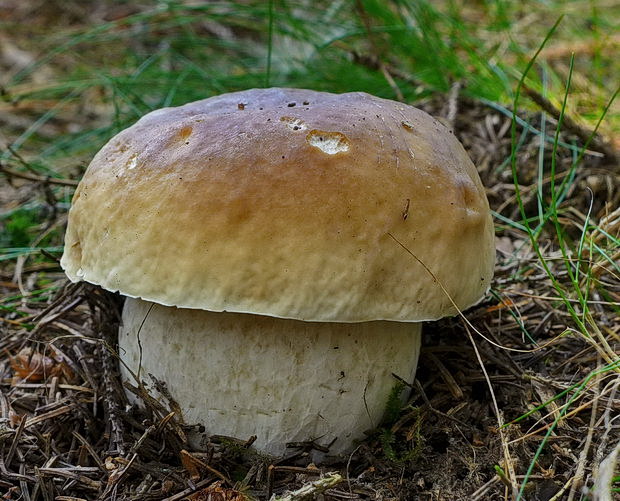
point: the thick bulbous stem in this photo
(279, 379)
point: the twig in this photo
(311, 489)
(454, 388)
(90, 450)
(584, 134)
(565, 416)
(205, 466)
(117, 477)
(112, 394)
(371, 38)
(601, 490)
(134, 448)
(481, 492)
(273, 469)
(558, 495)
(48, 415)
(35, 177)
(183, 494)
(372, 63)
(583, 455)
(608, 425)
(453, 102)
(428, 403)
(72, 475)
(349, 467)
(23, 485)
(16, 437)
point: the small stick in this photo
(34, 177)
(310, 490)
(453, 102)
(134, 448)
(117, 477)
(18, 434)
(67, 473)
(271, 474)
(49, 415)
(183, 494)
(446, 376)
(583, 455)
(23, 484)
(90, 450)
(205, 466)
(581, 132)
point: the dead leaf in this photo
(33, 366)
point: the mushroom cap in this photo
(289, 203)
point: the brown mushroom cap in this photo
(288, 203)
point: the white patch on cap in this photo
(328, 142)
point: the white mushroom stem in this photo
(279, 379)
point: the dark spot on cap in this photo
(290, 105)
(241, 106)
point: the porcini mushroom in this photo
(278, 249)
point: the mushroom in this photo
(278, 260)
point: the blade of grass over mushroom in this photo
(459, 312)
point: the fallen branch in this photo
(34, 177)
(583, 133)
(601, 491)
